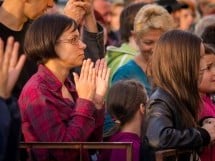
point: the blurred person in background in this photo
(103, 11)
(128, 2)
(204, 23)
(206, 7)
(187, 16)
(174, 8)
(116, 9)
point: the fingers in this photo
(8, 63)
(86, 83)
(97, 66)
(1, 51)
(91, 72)
(83, 69)
(76, 77)
(7, 54)
(102, 69)
(20, 62)
(86, 70)
(14, 55)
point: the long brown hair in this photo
(175, 68)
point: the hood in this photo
(114, 52)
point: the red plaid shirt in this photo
(48, 117)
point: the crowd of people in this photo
(140, 71)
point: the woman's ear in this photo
(142, 108)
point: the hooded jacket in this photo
(118, 56)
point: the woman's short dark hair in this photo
(42, 35)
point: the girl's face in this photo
(70, 49)
(207, 72)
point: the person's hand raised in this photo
(77, 10)
(10, 66)
(86, 82)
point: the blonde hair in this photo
(152, 16)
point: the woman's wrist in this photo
(99, 101)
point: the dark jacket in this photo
(10, 129)
(164, 127)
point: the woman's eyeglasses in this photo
(74, 41)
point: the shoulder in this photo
(124, 72)
(34, 88)
(160, 102)
(127, 67)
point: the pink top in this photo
(208, 110)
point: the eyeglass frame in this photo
(71, 40)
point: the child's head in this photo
(207, 82)
(207, 69)
(125, 99)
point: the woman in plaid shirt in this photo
(53, 109)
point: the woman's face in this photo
(70, 49)
(147, 41)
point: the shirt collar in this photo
(53, 82)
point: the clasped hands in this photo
(92, 84)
